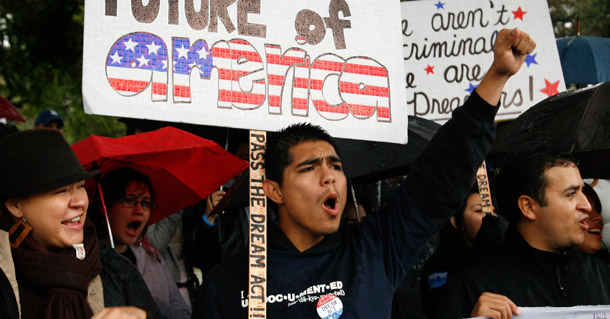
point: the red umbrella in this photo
(9, 111)
(183, 168)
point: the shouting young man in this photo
(312, 261)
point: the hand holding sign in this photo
(494, 306)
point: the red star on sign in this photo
(518, 14)
(551, 88)
(429, 69)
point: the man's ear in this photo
(273, 191)
(12, 204)
(452, 221)
(528, 207)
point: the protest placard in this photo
(249, 64)
(448, 47)
(576, 312)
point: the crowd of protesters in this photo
(541, 245)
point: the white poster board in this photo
(249, 64)
(576, 312)
(448, 47)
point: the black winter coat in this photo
(123, 283)
(530, 278)
(452, 253)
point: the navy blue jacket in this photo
(363, 264)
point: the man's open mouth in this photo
(331, 205)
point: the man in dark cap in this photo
(49, 119)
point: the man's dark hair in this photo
(524, 174)
(277, 154)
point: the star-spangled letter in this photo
(115, 57)
(142, 61)
(182, 51)
(440, 5)
(203, 53)
(518, 14)
(130, 45)
(152, 48)
(551, 88)
(531, 59)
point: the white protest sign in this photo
(249, 64)
(448, 47)
(577, 312)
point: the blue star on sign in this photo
(440, 5)
(529, 59)
(471, 88)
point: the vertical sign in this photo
(257, 288)
(484, 191)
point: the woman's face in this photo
(473, 216)
(593, 237)
(57, 216)
(127, 222)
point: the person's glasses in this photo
(131, 202)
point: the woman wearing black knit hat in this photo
(52, 264)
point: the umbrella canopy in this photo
(9, 111)
(373, 161)
(584, 59)
(576, 122)
(183, 168)
(364, 161)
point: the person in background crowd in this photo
(129, 198)
(358, 267)
(167, 236)
(211, 239)
(469, 233)
(593, 243)
(52, 264)
(6, 129)
(49, 119)
(540, 193)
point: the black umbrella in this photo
(576, 122)
(364, 161)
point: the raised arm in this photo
(443, 173)
(511, 49)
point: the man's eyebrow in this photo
(316, 160)
(571, 188)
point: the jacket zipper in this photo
(563, 291)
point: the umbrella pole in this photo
(99, 188)
(257, 263)
(351, 186)
(484, 192)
